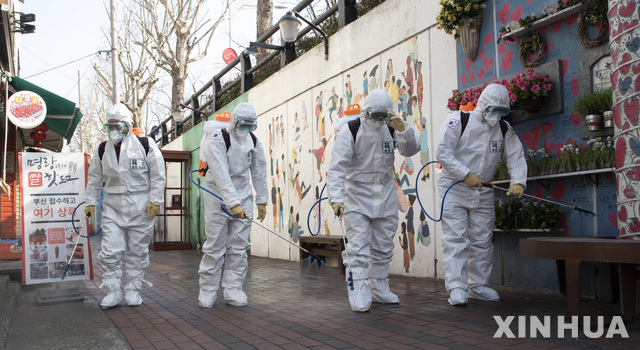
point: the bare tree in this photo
(264, 21)
(179, 35)
(95, 106)
(138, 66)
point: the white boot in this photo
(115, 295)
(484, 293)
(379, 285)
(132, 293)
(457, 296)
(235, 297)
(357, 289)
(206, 299)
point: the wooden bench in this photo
(570, 252)
(324, 247)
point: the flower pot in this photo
(469, 31)
(607, 117)
(594, 122)
(530, 105)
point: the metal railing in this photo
(169, 129)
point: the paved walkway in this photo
(307, 308)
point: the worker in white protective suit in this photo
(362, 189)
(472, 154)
(231, 171)
(131, 171)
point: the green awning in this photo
(63, 115)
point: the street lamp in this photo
(289, 26)
(178, 112)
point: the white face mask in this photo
(116, 136)
(242, 133)
(371, 123)
(491, 118)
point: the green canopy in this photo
(63, 115)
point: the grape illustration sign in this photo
(26, 109)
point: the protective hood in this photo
(493, 95)
(243, 111)
(376, 100)
(121, 113)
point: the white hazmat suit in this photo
(230, 175)
(133, 181)
(469, 212)
(361, 177)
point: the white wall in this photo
(389, 32)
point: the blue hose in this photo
(319, 212)
(224, 207)
(443, 197)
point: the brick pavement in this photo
(307, 308)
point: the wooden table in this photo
(570, 252)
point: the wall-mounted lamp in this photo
(178, 112)
(289, 26)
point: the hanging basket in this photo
(532, 45)
(469, 32)
(583, 34)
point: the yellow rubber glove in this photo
(396, 123)
(152, 210)
(515, 190)
(90, 210)
(238, 212)
(338, 208)
(262, 211)
(472, 180)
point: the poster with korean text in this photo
(52, 187)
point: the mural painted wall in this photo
(300, 109)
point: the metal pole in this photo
(114, 54)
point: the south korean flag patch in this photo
(452, 123)
(216, 135)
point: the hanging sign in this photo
(26, 109)
(52, 185)
(228, 55)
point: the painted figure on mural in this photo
(404, 244)
(410, 228)
(373, 85)
(419, 86)
(319, 153)
(424, 148)
(407, 75)
(333, 100)
(388, 74)
(274, 201)
(305, 121)
(365, 83)
(423, 231)
(280, 210)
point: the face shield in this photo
(492, 114)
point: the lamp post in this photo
(289, 26)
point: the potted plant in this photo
(529, 89)
(463, 19)
(592, 106)
(519, 214)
